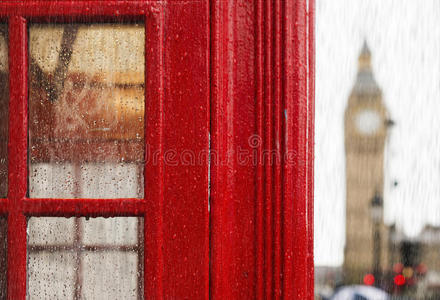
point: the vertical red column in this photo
(154, 164)
(262, 110)
(311, 143)
(17, 149)
(186, 150)
(297, 179)
(237, 252)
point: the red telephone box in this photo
(227, 145)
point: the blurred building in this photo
(365, 134)
(374, 249)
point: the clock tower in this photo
(365, 120)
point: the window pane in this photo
(86, 110)
(51, 275)
(79, 258)
(4, 105)
(3, 255)
(111, 275)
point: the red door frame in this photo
(241, 71)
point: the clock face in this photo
(368, 121)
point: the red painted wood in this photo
(154, 171)
(17, 165)
(84, 207)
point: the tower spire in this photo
(365, 57)
(365, 49)
(365, 83)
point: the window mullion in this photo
(17, 149)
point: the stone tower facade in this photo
(365, 135)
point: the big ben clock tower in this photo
(365, 134)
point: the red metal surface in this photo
(311, 143)
(258, 236)
(186, 130)
(296, 177)
(277, 140)
(268, 114)
(84, 207)
(263, 51)
(154, 172)
(259, 95)
(75, 9)
(233, 126)
(17, 166)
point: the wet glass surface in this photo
(4, 105)
(3, 255)
(86, 110)
(377, 208)
(79, 258)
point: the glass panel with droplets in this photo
(86, 110)
(86, 140)
(85, 258)
(4, 105)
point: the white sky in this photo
(404, 37)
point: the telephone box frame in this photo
(220, 229)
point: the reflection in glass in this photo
(4, 105)
(86, 110)
(78, 258)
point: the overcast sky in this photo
(404, 38)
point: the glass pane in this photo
(112, 275)
(79, 258)
(4, 105)
(86, 110)
(3, 255)
(377, 169)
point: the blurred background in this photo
(377, 169)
